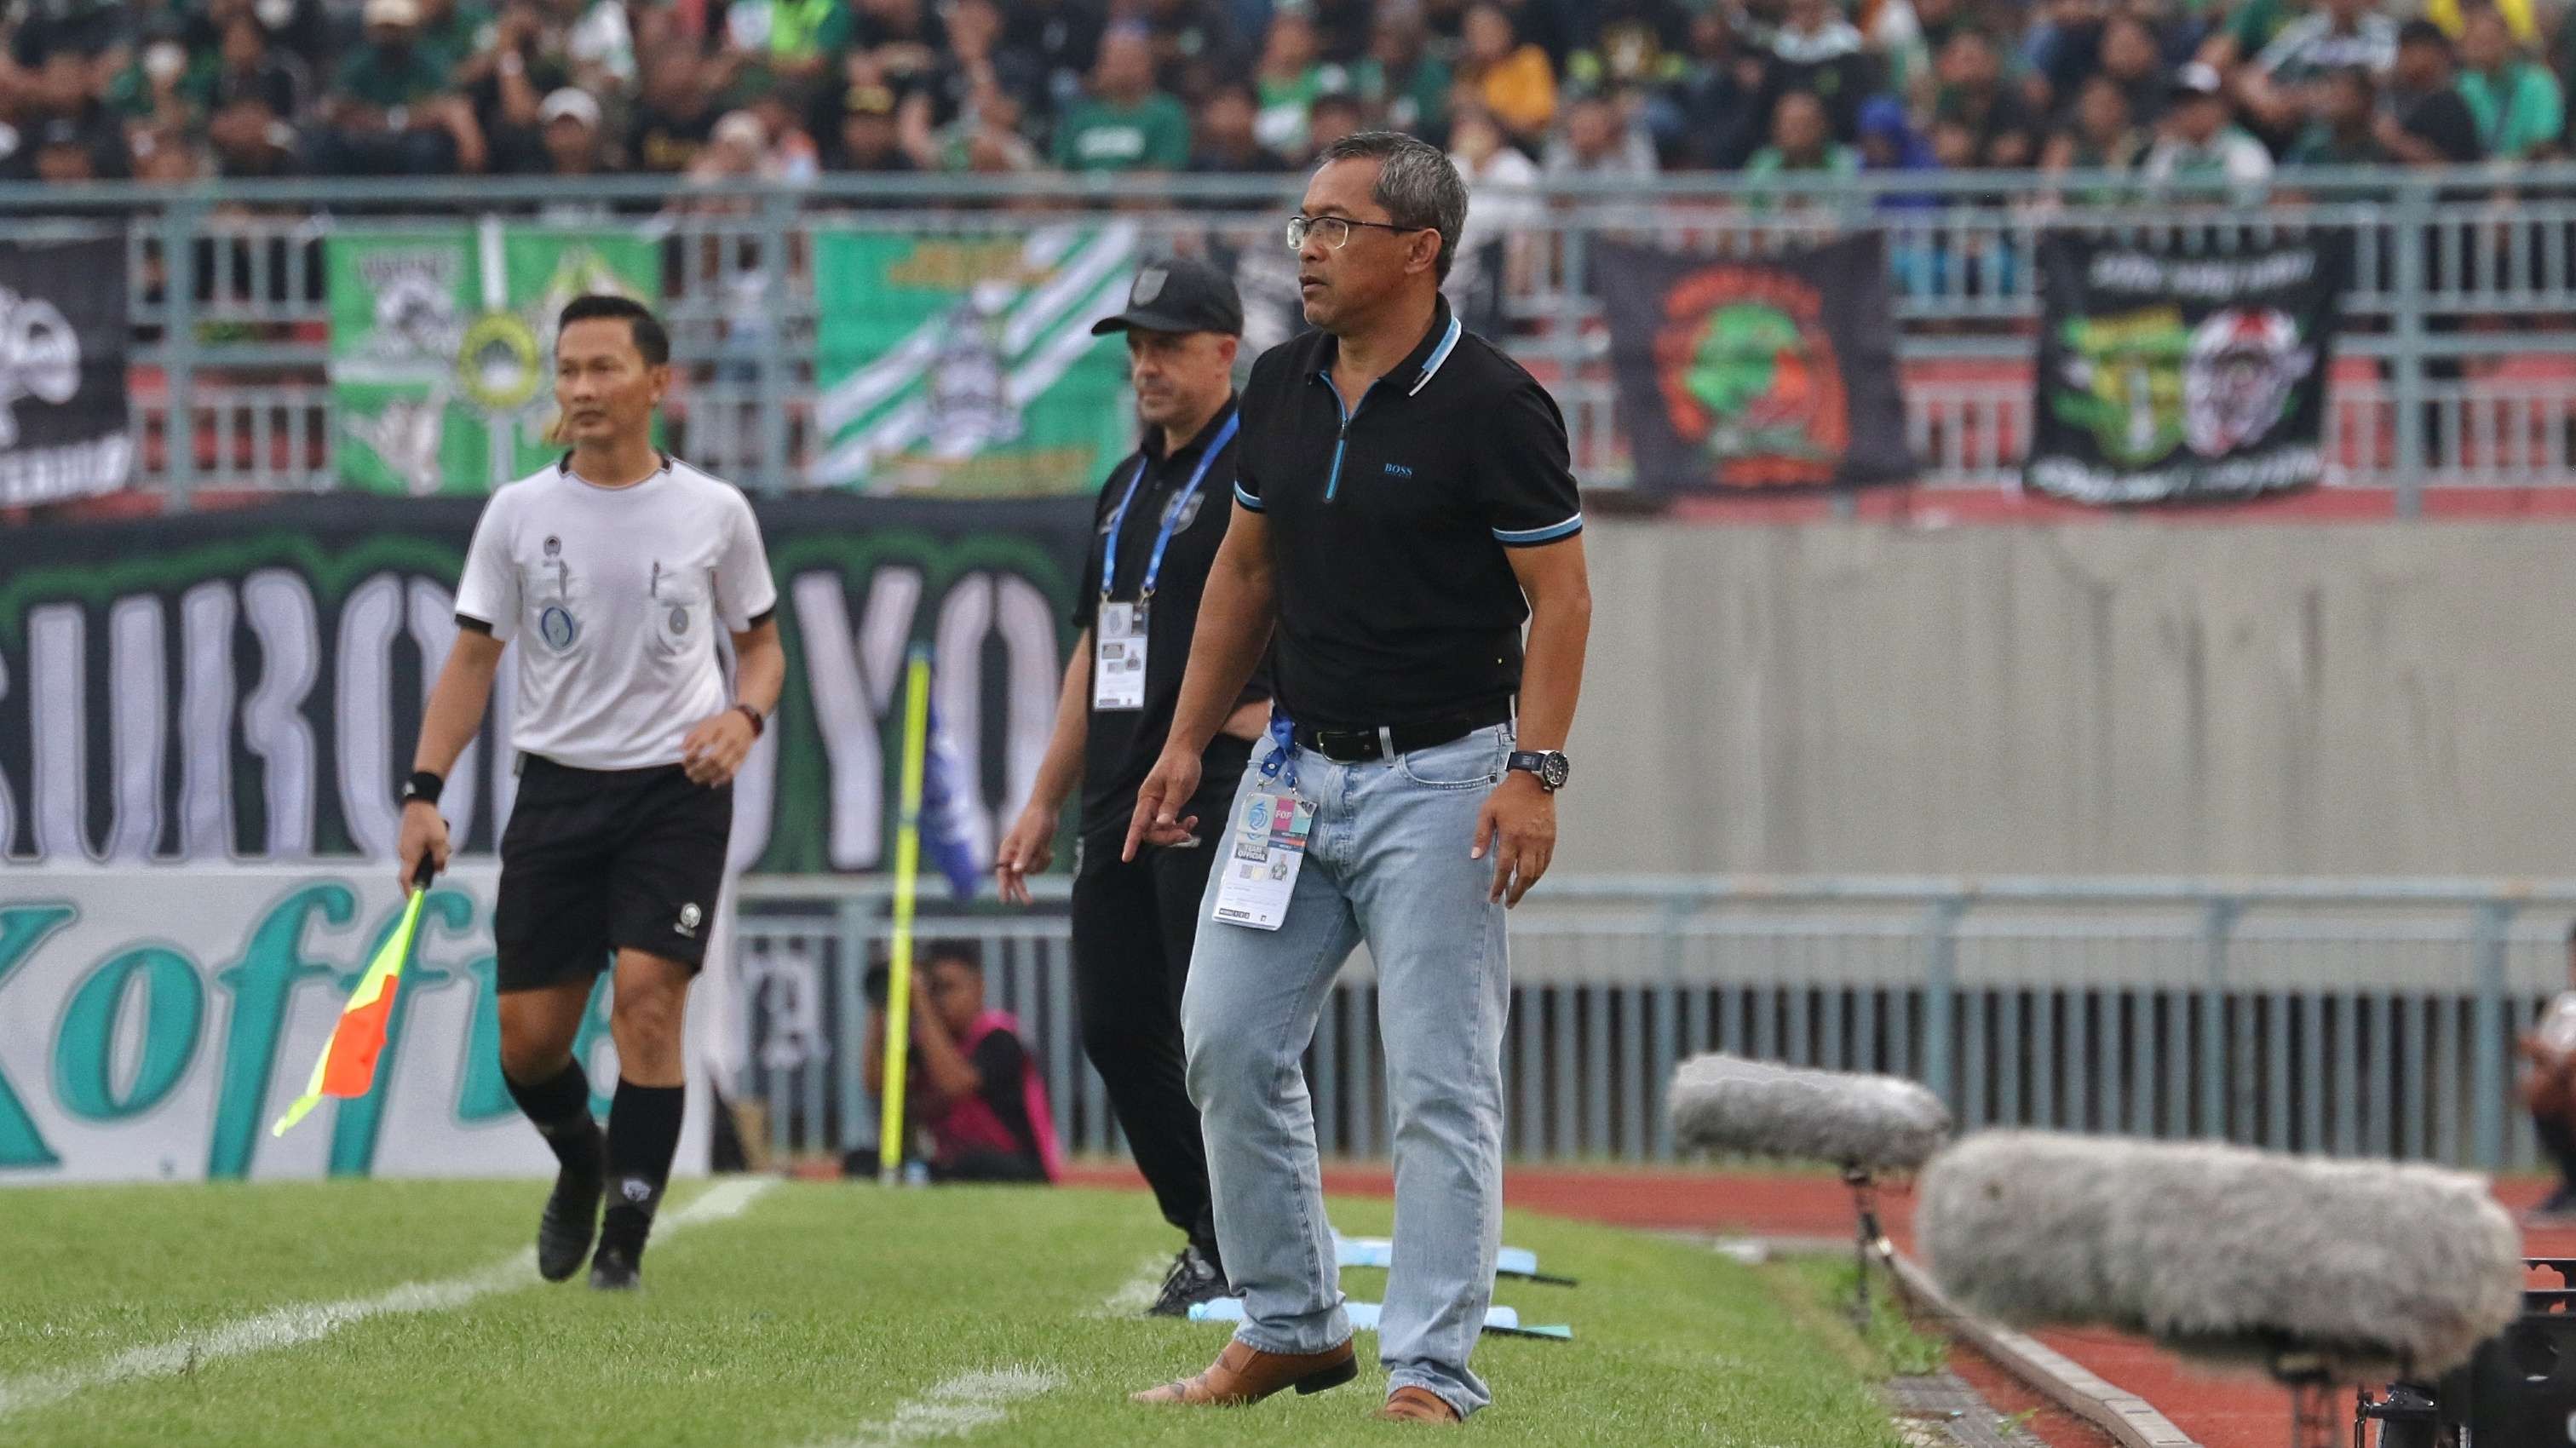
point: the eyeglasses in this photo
(1333, 231)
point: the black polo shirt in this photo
(1390, 524)
(1121, 745)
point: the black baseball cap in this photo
(1178, 294)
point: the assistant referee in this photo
(611, 569)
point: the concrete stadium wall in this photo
(2097, 697)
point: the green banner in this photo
(246, 685)
(442, 342)
(963, 365)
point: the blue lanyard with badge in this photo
(1267, 845)
(1118, 638)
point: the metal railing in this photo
(2366, 1017)
(2461, 313)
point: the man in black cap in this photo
(1163, 511)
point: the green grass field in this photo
(815, 1316)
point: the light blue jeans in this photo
(1387, 863)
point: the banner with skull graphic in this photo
(64, 429)
(2169, 376)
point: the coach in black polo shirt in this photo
(1403, 508)
(1163, 511)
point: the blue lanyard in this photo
(1171, 514)
(1282, 759)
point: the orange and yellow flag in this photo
(348, 1064)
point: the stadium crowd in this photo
(177, 89)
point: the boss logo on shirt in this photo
(1398, 470)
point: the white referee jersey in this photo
(614, 596)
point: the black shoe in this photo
(1193, 1280)
(571, 1219)
(615, 1270)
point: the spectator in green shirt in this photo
(1401, 77)
(1124, 124)
(163, 85)
(390, 112)
(1287, 80)
(1802, 143)
(2249, 30)
(794, 40)
(1802, 140)
(451, 33)
(2343, 132)
(390, 67)
(2517, 103)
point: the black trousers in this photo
(1132, 929)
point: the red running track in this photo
(2220, 1410)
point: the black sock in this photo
(643, 1132)
(560, 1108)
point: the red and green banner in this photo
(1756, 373)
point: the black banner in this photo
(2166, 377)
(248, 685)
(1768, 372)
(63, 330)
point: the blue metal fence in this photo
(2463, 303)
(2342, 1017)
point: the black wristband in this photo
(759, 724)
(423, 786)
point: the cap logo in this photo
(1149, 285)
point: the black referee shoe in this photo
(570, 1220)
(1194, 1279)
(615, 1270)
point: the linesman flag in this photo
(348, 1065)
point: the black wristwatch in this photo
(1551, 767)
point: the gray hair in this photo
(1415, 183)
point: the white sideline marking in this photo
(1136, 1293)
(296, 1325)
(961, 1405)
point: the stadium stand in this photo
(169, 90)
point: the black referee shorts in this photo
(596, 861)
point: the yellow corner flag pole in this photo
(907, 873)
(348, 1065)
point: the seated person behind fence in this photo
(2549, 1091)
(972, 1084)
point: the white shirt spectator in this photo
(1503, 214)
(1632, 159)
(2231, 156)
(602, 39)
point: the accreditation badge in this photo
(1118, 658)
(1264, 851)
